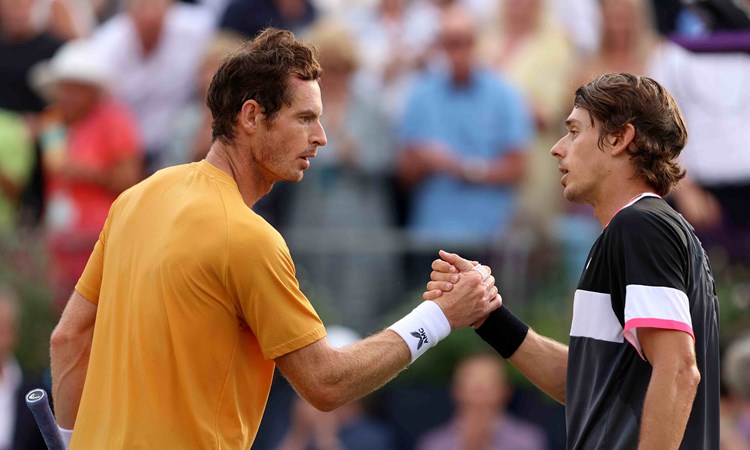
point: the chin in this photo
(296, 177)
(572, 196)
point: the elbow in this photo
(62, 338)
(326, 399)
(689, 378)
(59, 339)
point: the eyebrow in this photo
(571, 122)
(308, 113)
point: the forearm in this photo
(507, 170)
(542, 360)
(69, 362)
(545, 363)
(667, 407)
(70, 347)
(358, 369)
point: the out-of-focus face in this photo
(581, 161)
(8, 329)
(459, 48)
(479, 383)
(75, 99)
(620, 21)
(457, 39)
(523, 12)
(148, 17)
(336, 72)
(16, 17)
(293, 137)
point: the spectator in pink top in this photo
(91, 151)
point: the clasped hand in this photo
(465, 290)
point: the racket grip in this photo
(38, 403)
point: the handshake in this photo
(460, 293)
(464, 290)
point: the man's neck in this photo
(615, 199)
(229, 159)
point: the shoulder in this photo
(646, 215)
(650, 225)
(249, 234)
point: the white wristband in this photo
(65, 435)
(422, 328)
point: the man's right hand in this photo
(447, 271)
(460, 292)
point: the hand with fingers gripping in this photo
(447, 277)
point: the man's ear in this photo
(250, 116)
(619, 141)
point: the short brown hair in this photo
(616, 99)
(259, 71)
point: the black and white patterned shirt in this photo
(646, 269)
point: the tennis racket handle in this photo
(38, 403)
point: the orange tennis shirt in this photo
(196, 295)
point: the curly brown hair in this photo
(259, 71)
(616, 99)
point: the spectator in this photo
(395, 37)
(735, 431)
(191, 132)
(347, 427)
(249, 17)
(581, 20)
(18, 429)
(68, 19)
(348, 189)
(481, 393)
(16, 164)
(91, 152)
(464, 136)
(154, 49)
(713, 94)
(536, 55)
(22, 44)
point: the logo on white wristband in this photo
(422, 328)
(422, 336)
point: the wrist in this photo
(503, 331)
(65, 435)
(475, 170)
(422, 328)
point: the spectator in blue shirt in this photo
(464, 135)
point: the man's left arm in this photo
(674, 382)
(70, 348)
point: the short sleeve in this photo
(653, 261)
(261, 276)
(90, 283)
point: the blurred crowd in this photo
(439, 114)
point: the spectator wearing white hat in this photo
(91, 151)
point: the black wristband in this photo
(503, 331)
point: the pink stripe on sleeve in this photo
(663, 324)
